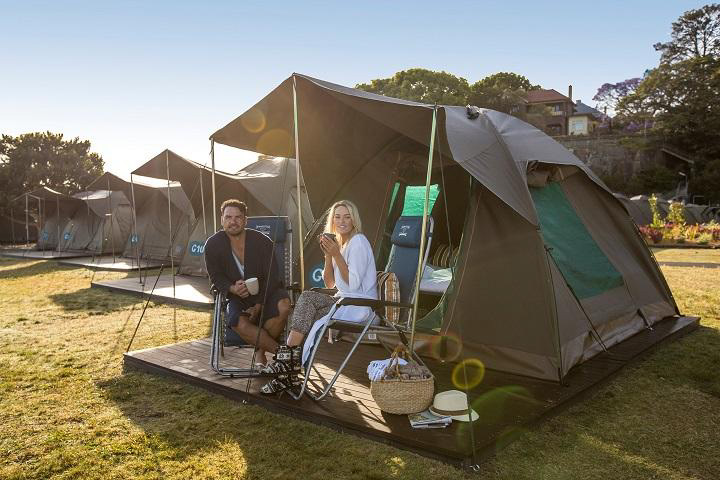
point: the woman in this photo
(350, 268)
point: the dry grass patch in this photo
(699, 255)
(68, 410)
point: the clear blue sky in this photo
(135, 77)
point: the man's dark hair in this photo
(233, 203)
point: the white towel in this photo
(376, 368)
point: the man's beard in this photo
(237, 233)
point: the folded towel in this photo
(376, 368)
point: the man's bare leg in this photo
(248, 331)
(276, 325)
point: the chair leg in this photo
(216, 347)
(332, 381)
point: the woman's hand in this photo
(329, 247)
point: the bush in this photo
(680, 233)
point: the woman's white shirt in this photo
(362, 277)
(362, 283)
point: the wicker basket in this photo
(400, 396)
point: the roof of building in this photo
(582, 109)
(542, 96)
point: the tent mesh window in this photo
(585, 267)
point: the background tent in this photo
(102, 226)
(52, 211)
(266, 186)
(13, 231)
(153, 235)
(550, 268)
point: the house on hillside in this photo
(556, 114)
(549, 110)
(584, 120)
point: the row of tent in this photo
(165, 215)
(639, 209)
(550, 270)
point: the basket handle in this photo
(399, 352)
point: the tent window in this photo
(415, 199)
(585, 267)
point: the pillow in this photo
(389, 291)
(437, 257)
(407, 232)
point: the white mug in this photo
(252, 285)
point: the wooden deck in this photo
(506, 403)
(107, 262)
(39, 254)
(188, 290)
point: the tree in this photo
(505, 92)
(681, 101)
(421, 85)
(695, 34)
(609, 94)
(38, 159)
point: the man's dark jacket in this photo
(223, 270)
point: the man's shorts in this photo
(270, 309)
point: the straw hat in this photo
(453, 403)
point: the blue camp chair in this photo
(279, 230)
(403, 262)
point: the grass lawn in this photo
(709, 255)
(68, 411)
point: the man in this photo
(234, 254)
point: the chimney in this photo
(570, 92)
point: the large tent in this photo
(52, 210)
(159, 233)
(550, 268)
(103, 225)
(266, 186)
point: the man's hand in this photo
(240, 289)
(254, 312)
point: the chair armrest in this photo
(326, 291)
(369, 302)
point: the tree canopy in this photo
(505, 92)
(678, 100)
(33, 160)
(421, 85)
(609, 94)
(695, 34)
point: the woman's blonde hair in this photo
(354, 216)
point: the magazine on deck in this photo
(427, 419)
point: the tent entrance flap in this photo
(585, 267)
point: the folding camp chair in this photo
(279, 230)
(403, 262)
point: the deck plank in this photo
(520, 401)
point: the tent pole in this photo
(212, 161)
(172, 260)
(27, 222)
(41, 221)
(91, 234)
(135, 234)
(202, 197)
(57, 210)
(297, 185)
(12, 225)
(112, 235)
(426, 207)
